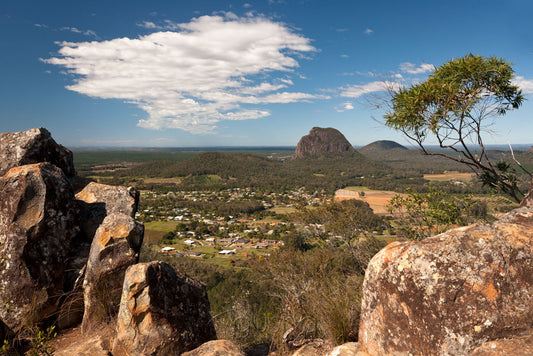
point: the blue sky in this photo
(240, 73)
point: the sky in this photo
(241, 73)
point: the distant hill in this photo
(321, 141)
(382, 145)
(213, 170)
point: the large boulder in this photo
(33, 146)
(162, 312)
(37, 223)
(450, 293)
(320, 141)
(115, 247)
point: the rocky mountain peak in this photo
(320, 141)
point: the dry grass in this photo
(377, 199)
(449, 176)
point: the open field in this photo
(449, 176)
(154, 230)
(377, 199)
(283, 209)
(174, 180)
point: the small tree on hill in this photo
(453, 106)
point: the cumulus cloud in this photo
(526, 85)
(413, 69)
(369, 31)
(211, 69)
(355, 91)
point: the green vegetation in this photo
(453, 106)
(426, 214)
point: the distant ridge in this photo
(322, 141)
(382, 145)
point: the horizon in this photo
(241, 73)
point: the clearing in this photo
(449, 176)
(377, 199)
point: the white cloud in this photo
(148, 24)
(247, 5)
(369, 31)
(345, 56)
(355, 91)
(526, 85)
(345, 107)
(204, 72)
(413, 69)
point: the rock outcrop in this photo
(450, 293)
(33, 146)
(161, 312)
(37, 223)
(115, 247)
(320, 141)
(216, 348)
(96, 201)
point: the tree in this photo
(420, 215)
(453, 106)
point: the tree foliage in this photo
(453, 106)
(425, 214)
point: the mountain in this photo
(320, 141)
(382, 145)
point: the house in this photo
(189, 242)
(168, 249)
(227, 252)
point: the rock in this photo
(316, 347)
(162, 312)
(450, 293)
(37, 223)
(115, 247)
(348, 349)
(320, 141)
(33, 146)
(74, 343)
(96, 201)
(518, 345)
(216, 348)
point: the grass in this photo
(174, 180)
(164, 226)
(357, 189)
(377, 199)
(154, 230)
(283, 209)
(449, 176)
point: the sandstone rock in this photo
(216, 348)
(348, 349)
(37, 223)
(74, 343)
(96, 201)
(33, 146)
(115, 247)
(448, 294)
(518, 345)
(320, 141)
(162, 312)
